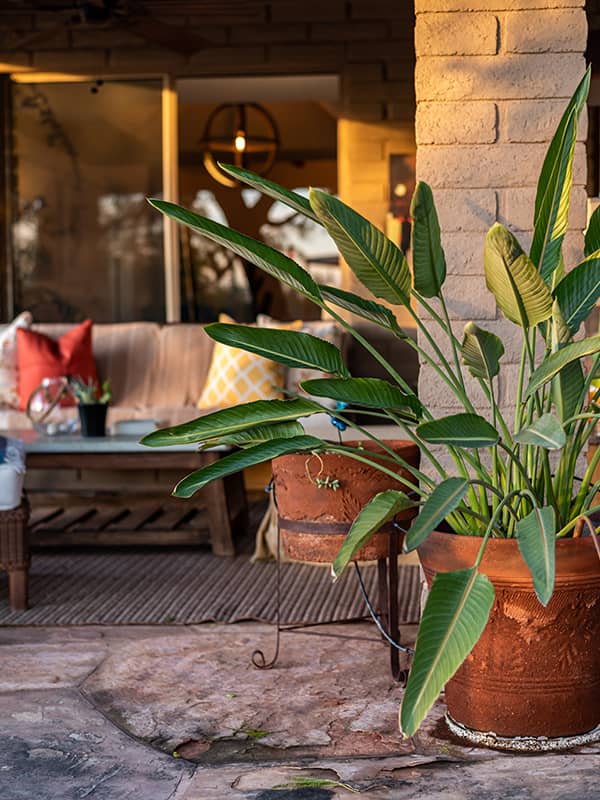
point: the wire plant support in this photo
(386, 619)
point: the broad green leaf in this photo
(257, 434)
(235, 462)
(372, 392)
(382, 508)
(520, 291)
(592, 234)
(232, 420)
(294, 200)
(554, 186)
(441, 502)
(366, 309)
(481, 352)
(455, 615)
(459, 430)
(536, 537)
(292, 348)
(578, 291)
(546, 432)
(261, 255)
(375, 260)
(553, 363)
(429, 262)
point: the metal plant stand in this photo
(386, 619)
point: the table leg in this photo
(219, 522)
(18, 580)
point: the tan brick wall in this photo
(492, 79)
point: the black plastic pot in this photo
(93, 419)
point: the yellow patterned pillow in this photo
(236, 376)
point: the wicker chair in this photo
(14, 553)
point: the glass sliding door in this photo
(85, 241)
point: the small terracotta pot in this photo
(535, 671)
(314, 521)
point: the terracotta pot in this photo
(535, 671)
(314, 521)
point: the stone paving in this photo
(179, 713)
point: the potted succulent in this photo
(92, 405)
(506, 537)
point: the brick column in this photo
(492, 79)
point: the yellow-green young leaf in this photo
(235, 462)
(554, 186)
(429, 262)
(382, 508)
(455, 615)
(441, 502)
(536, 537)
(459, 430)
(520, 291)
(481, 352)
(375, 260)
(242, 417)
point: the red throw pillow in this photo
(40, 357)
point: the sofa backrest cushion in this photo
(181, 366)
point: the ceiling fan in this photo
(130, 15)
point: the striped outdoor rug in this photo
(186, 586)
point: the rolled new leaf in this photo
(231, 420)
(292, 348)
(429, 262)
(375, 260)
(459, 430)
(235, 462)
(273, 262)
(536, 537)
(481, 352)
(379, 510)
(455, 615)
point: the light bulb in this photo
(240, 141)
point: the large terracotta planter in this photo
(535, 671)
(314, 521)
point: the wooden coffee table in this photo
(225, 499)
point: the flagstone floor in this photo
(180, 713)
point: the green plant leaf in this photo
(455, 615)
(372, 392)
(520, 291)
(554, 186)
(536, 537)
(459, 430)
(546, 432)
(258, 434)
(578, 291)
(554, 362)
(567, 385)
(429, 262)
(293, 348)
(383, 507)
(592, 234)
(293, 200)
(441, 502)
(235, 462)
(481, 352)
(366, 309)
(261, 255)
(375, 260)
(232, 420)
